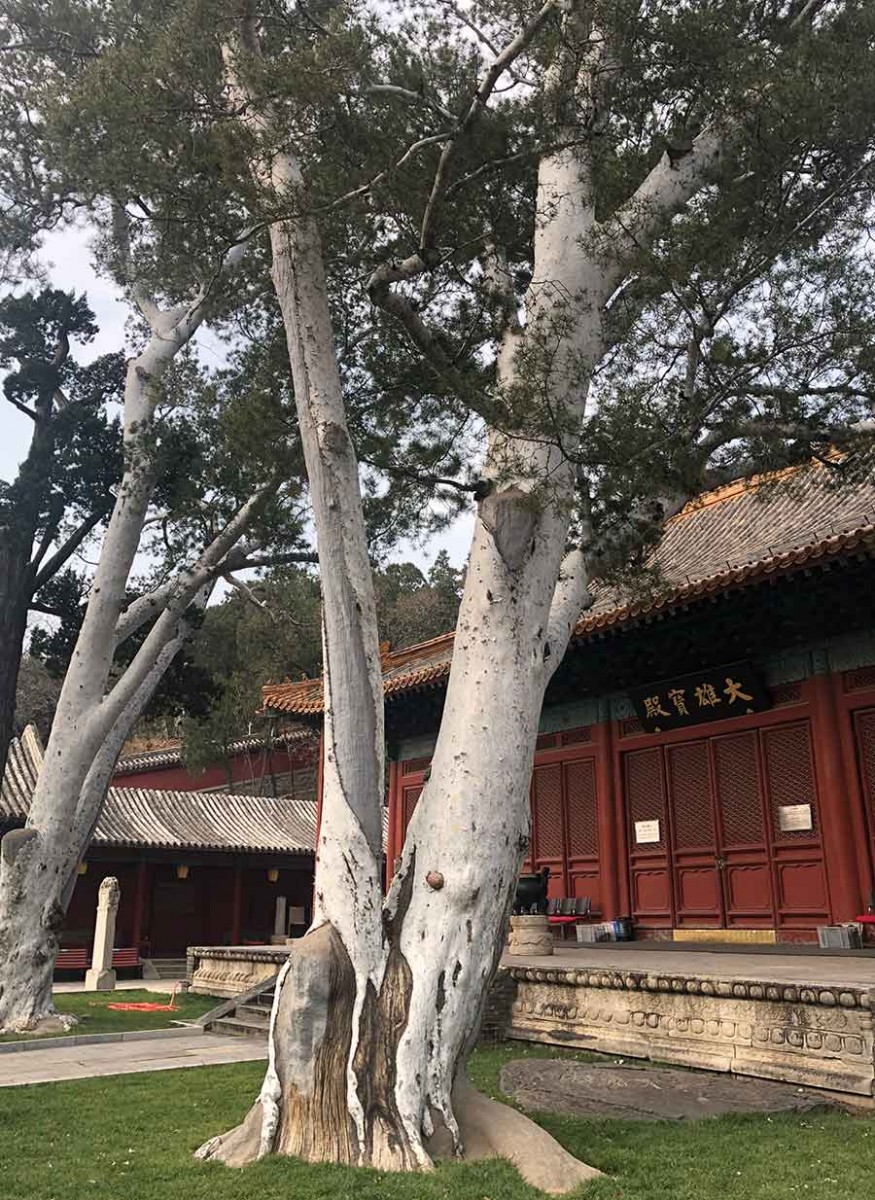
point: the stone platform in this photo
(803, 1019)
(230, 970)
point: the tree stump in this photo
(530, 935)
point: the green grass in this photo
(94, 1016)
(131, 1138)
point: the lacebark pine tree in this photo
(526, 184)
(377, 1008)
(62, 490)
(99, 703)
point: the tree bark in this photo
(379, 1004)
(16, 585)
(38, 865)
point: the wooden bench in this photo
(74, 959)
(78, 959)
(126, 957)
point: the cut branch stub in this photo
(510, 517)
(435, 880)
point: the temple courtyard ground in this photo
(131, 1137)
(94, 1015)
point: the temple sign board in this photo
(733, 690)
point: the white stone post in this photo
(101, 977)
(280, 928)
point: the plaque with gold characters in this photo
(715, 694)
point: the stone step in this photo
(165, 968)
(239, 1027)
(256, 1013)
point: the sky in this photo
(68, 261)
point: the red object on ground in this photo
(143, 1006)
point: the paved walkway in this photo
(165, 986)
(50, 1064)
(770, 968)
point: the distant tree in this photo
(412, 607)
(64, 487)
(36, 697)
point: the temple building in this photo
(706, 757)
(195, 867)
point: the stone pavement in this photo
(49, 1064)
(165, 986)
(811, 970)
(645, 1093)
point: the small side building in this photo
(195, 868)
(706, 757)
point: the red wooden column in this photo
(139, 905)
(392, 844)
(607, 822)
(844, 706)
(237, 906)
(320, 779)
(617, 800)
(836, 816)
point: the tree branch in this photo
(183, 590)
(504, 59)
(570, 599)
(69, 547)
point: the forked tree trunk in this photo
(379, 1004)
(38, 865)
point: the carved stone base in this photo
(815, 1036)
(229, 970)
(530, 936)
(99, 981)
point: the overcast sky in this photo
(68, 260)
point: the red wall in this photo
(246, 767)
(722, 860)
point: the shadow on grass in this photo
(132, 1137)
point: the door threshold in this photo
(730, 937)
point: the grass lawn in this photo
(131, 1138)
(95, 1017)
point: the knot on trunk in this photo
(13, 843)
(435, 880)
(511, 517)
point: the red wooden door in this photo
(548, 832)
(565, 834)
(649, 860)
(722, 858)
(744, 854)
(696, 856)
(798, 874)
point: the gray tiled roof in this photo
(729, 537)
(22, 768)
(170, 755)
(172, 820)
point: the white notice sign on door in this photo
(794, 816)
(646, 831)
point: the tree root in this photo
(239, 1146)
(44, 1026)
(493, 1130)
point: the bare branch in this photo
(71, 544)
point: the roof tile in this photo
(727, 538)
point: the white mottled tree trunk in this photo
(38, 864)
(379, 1004)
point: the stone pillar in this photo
(101, 977)
(530, 935)
(280, 925)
